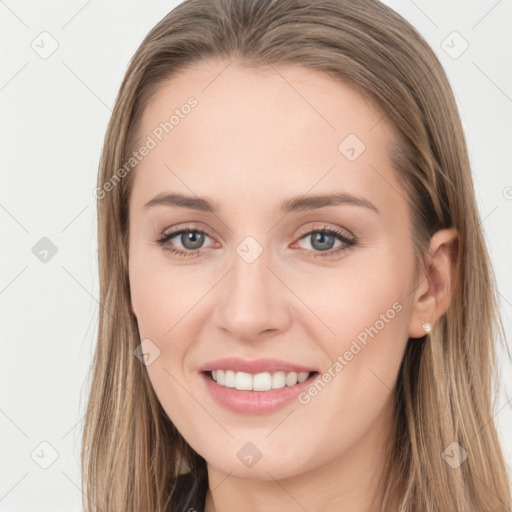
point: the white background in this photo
(54, 113)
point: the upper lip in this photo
(255, 366)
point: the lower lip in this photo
(255, 402)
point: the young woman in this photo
(298, 309)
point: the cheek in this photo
(366, 306)
(169, 304)
(161, 301)
(161, 295)
(364, 290)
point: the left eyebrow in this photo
(301, 203)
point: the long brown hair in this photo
(131, 452)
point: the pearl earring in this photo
(427, 327)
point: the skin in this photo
(253, 141)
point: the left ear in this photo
(433, 294)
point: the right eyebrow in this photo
(182, 201)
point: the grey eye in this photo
(191, 240)
(322, 241)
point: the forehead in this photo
(271, 129)
(234, 95)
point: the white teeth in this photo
(259, 382)
(262, 382)
(278, 380)
(302, 376)
(229, 379)
(291, 379)
(243, 381)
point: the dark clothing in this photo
(190, 494)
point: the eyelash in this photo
(325, 230)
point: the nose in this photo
(254, 302)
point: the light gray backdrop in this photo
(62, 64)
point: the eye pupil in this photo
(320, 237)
(196, 239)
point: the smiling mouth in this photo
(264, 381)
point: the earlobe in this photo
(433, 294)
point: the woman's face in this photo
(259, 280)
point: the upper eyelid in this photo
(322, 226)
(174, 232)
